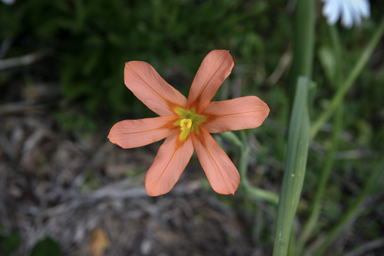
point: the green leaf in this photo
(295, 166)
(328, 61)
(46, 247)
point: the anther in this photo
(185, 124)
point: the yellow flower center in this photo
(185, 124)
(188, 121)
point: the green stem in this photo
(295, 166)
(303, 43)
(337, 99)
(243, 168)
(252, 191)
(354, 209)
(316, 205)
(338, 53)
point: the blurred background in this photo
(65, 189)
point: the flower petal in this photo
(236, 114)
(149, 87)
(137, 133)
(214, 69)
(364, 7)
(332, 10)
(347, 11)
(360, 9)
(169, 163)
(221, 172)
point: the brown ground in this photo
(85, 192)
(88, 194)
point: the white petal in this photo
(355, 12)
(332, 10)
(364, 7)
(360, 9)
(357, 18)
(350, 11)
(9, 2)
(347, 11)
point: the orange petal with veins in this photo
(214, 69)
(221, 172)
(170, 161)
(137, 133)
(236, 114)
(149, 87)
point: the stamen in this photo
(185, 124)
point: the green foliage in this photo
(9, 243)
(46, 247)
(93, 39)
(75, 121)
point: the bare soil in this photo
(68, 184)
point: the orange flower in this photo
(187, 124)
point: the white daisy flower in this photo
(9, 2)
(350, 11)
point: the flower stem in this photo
(338, 52)
(316, 204)
(243, 168)
(303, 43)
(343, 89)
(354, 209)
(252, 191)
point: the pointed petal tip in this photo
(141, 132)
(267, 109)
(155, 190)
(152, 193)
(227, 190)
(213, 71)
(151, 89)
(236, 114)
(160, 189)
(220, 51)
(222, 174)
(111, 138)
(169, 163)
(114, 142)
